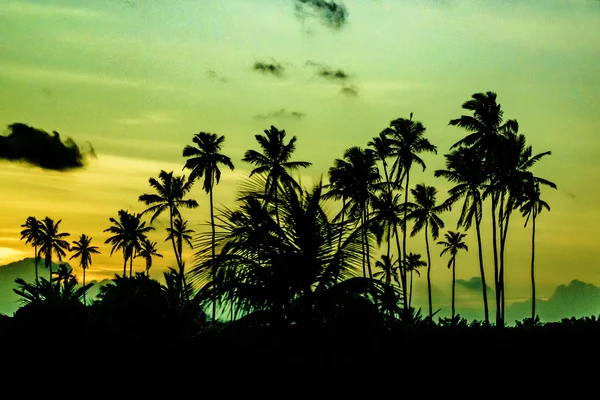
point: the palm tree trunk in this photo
(428, 272)
(502, 252)
(495, 248)
(35, 253)
(124, 264)
(177, 256)
(411, 289)
(340, 238)
(366, 230)
(453, 285)
(501, 217)
(532, 269)
(131, 265)
(402, 275)
(214, 268)
(84, 302)
(404, 224)
(482, 272)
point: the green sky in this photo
(134, 79)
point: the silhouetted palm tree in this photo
(147, 251)
(129, 232)
(203, 161)
(413, 263)
(388, 270)
(465, 169)
(274, 161)
(424, 212)
(531, 206)
(452, 244)
(408, 141)
(170, 196)
(180, 234)
(84, 250)
(31, 234)
(52, 241)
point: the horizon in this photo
(138, 80)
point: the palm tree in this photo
(31, 234)
(388, 270)
(129, 232)
(531, 207)
(169, 196)
(203, 161)
(407, 141)
(425, 214)
(84, 250)
(275, 162)
(413, 263)
(52, 242)
(452, 244)
(180, 233)
(465, 169)
(147, 251)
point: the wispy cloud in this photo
(49, 10)
(159, 117)
(212, 74)
(282, 113)
(273, 68)
(327, 72)
(29, 73)
(332, 13)
(350, 91)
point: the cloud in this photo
(49, 10)
(577, 299)
(350, 91)
(273, 68)
(327, 72)
(473, 284)
(282, 113)
(147, 119)
(38, 148)
(332, 13)
(212, 74)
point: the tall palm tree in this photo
(388, 270)
(170, 196)
(180, 233)
(425, 214)
(464, 168)
(31, 234)
(129, 232)
(413, 263)
(147, 251)
(52, 241)
(531, 207)
(274, 161)
(84, 250)
(203, 161)
(453, 243)
(408, 141)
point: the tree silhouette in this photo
(408, 141)
(464, 169)
(180, 234)
(203, 161)
(413, 263)
(424, 212)
(31, 234)
(129, 232)
(52, 241)
(169, 196)
(452, 244)
(274, 161)
(532, 205)
(147, 251)
(84, 250)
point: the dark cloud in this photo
(333, 13)
(577, 299)
(39, 148)
(212, 74)
(282, 113)
(351, 91)
(272, 68)
(473, 284)
(327, 72)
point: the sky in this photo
(137, 79)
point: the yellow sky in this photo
(133, 79)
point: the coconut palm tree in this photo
(31, 234)
(203, 162)
(465, 169)
(388, 270)
(147, 251)
(274, 161)
(531, 206)
(129, 232)
(425, 212)
(408, 141)
(413, 263)
(84, 250)
(453, 243)
(170, 196)
(52, 241)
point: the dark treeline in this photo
(277, 280)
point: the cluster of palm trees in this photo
(279, 255)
